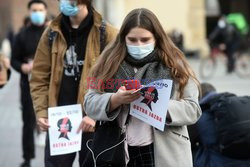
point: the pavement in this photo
(11, 126)
(11, 121)
(222, 81)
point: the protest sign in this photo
(64, 122)
(152, 106)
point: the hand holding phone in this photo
(132, 84)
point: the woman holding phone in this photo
(144, 52)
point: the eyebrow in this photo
(132, 38)
(143, 38)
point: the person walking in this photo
(24, 48)
(229, 38)
(143, 51)
(66, 52)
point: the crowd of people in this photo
(55, 60)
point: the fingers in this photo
(87, 125)
(136, 91)
(43, 124)
(123, 96)
(122, 88)
(43, 127)
(88, 128)
(133, 92)
(135, 97)
(131, 95)
(26, 68)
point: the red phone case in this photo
(132, 84)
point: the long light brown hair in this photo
(113, 55)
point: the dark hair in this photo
(37, 1)
(206, 88)
(59, 123)
(87, 2)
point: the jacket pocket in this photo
(177, 136)
(180, 135)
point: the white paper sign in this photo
(64, 122)
(152, 106)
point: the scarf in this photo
(149, 69)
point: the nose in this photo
(138, 43)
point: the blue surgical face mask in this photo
(68, 8)
(38, 18)
(140, 51)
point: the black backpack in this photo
(232, 123)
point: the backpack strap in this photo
(51, 37)
(102, 29)
(52, 34)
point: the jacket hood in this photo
(55, 24)
(208, 97)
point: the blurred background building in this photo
(13, 12)
(186, 16)
(215, 8)
(194, 18)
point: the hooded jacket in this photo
(48, 64)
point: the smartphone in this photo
(132, 84)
